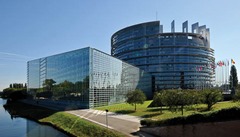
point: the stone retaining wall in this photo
(215, 129)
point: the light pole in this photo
(107, 118)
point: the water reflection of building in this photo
(36, 130)
(86, 78)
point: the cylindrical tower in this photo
(175, 59)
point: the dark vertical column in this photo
(153, 85)
(182, 80)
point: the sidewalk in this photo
(112, 114)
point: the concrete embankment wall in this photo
(214, 129)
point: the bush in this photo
(236, 97)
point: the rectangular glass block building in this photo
(86, 78)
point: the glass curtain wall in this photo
(84, 78)
(63, 77)
(111, 79)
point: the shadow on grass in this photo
(202, 109)
(151, 115)
(125, 111)
(156, 109)
(194, 108)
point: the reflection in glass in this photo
(84, 78)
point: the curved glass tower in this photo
(175, 59)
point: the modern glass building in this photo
(86, 78)
(175, 59)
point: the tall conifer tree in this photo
(233, 77)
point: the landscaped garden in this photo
(154, 113)
(180, 104)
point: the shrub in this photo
(236, 97)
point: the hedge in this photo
(220, 115)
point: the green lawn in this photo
(154, 113)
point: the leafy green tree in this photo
(178, 99)
(158, 100)
(170, 99)
(194, 97)
(211, 97)
(183, 99)
(233, 77)
(135, 97)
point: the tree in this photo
(182, 99)
(170, 99)
(211, 97)
(233, 77)
(194, 97)
(158, 100)
(177, 98)
(135, 97)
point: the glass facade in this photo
(176, 59)
(86, 78)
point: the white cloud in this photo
(13, 57)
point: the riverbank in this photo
(65, 122)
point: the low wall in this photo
(214, 129)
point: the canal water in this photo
(21, 127)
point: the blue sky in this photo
(31, 29)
